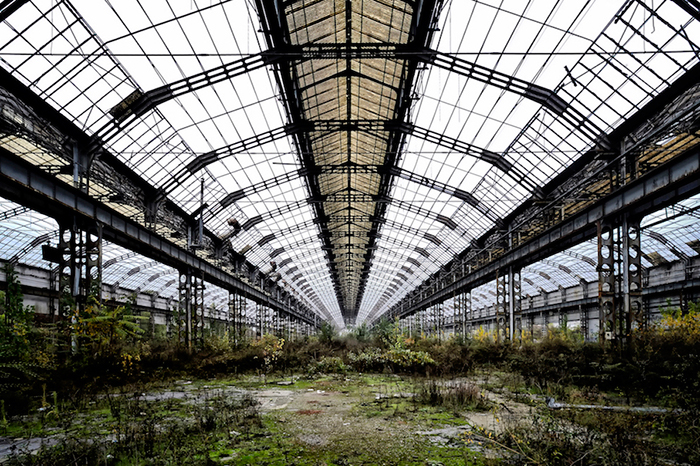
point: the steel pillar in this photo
(185, 307)
(607, 283)
(515, 325)
(258, 320)
(583, 321)
(620, 279)
(458, 322)
(468, 313)
(80, 266)
(198, 310)
(632, 276)
(236, 317)
(191, 306)
(68, 268)
(439, 320)
(503, 329)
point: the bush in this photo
(408, 360)
(327, 333)
(15, 320)
(371, 359)
(456, 395)
(327, 365)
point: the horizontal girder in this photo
(22, 182)
(676, 179)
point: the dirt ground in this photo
(376, 420)
(348, 420)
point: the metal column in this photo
(185, 308)
(514, 305)
(583, 320)
(620, 279)
(632, 276)
(459, 317)
(607, 285)
(198, 310)
(80, 266)
(502, 308)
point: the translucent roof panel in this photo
(90, 59)
(672, 234)
(604, 60)
(352, 157)
(23, 232)
(349, 90)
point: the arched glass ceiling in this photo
(668, 235)
(23, 232)
(473, 152)
(87, 57)
(605, 59)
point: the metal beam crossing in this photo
(356, 196)
(138, 103)
(22, 182)
(677, 179)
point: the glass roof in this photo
(668, 235)
(24, 232)
(309, 153)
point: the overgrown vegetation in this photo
(95, 359)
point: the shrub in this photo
(327, 365)
(371, 359)
(456, 395)
(327, 333)
(15, 320)
(406, 359)
(271, 347)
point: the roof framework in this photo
(362, 145)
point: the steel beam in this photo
(409, 52)
(207, 158)
(262, 186)
(460, 194)
(692, 7)
(7, 7)
(456, 145)
(398, 172)
(22, 182)
(138, 103)
(251, 222)
(372, 126)
(677, 179)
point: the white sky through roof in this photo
(603, 60)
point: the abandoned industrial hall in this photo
(271, 166)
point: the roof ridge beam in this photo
(136, 104)
(460, 194)
(7, 7)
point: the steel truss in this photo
(620, 279)
(634, 192)
(42, 192)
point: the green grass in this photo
(213, 431)
(213, 427)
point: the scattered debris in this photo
(553, 404)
